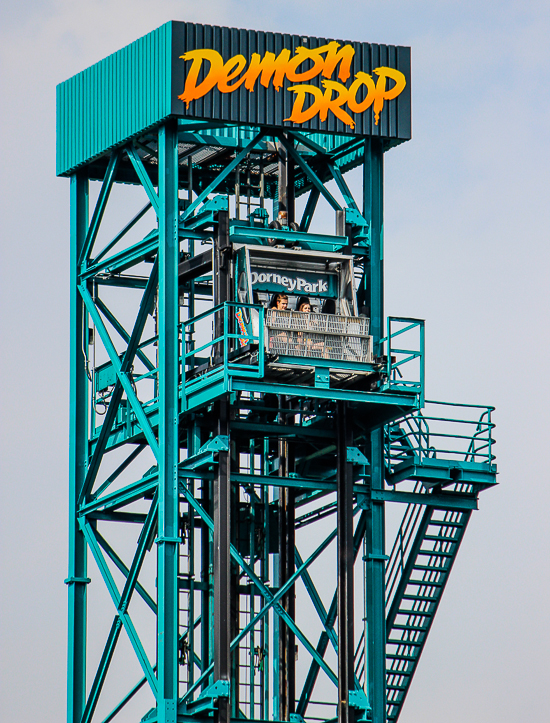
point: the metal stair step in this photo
(415, 643)
(410, 627)
(397, 687)
(426, 598)
(429, 568)
(435, 553)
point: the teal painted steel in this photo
(168, 539)
(77, 579)
(113, 100)
(152, 387)
(139, 86)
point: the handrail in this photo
(424, 435)
(227, 366)
(393, 363)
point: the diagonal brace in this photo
(310, 173)
(220, 177)
(262, 588)
(143, 176)
(123, 382)
(116, 627)
(99, 210)
(119, 603)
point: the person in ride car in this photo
(303, 304)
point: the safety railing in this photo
(460, 432)
(408, 350)
(333, 337)
(402, 546)
(237, 351)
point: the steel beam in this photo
(344, 496)
(375, 628)
(78, 430)
(222, 530)
(168, 533)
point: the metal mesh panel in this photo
(318, 323)
(318, 336)
(336, 347)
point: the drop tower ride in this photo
(242, 412)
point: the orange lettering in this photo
(274, 69)
(269, 67)
(361, 79)
(335, 56)
(299, 115)
(303, 54)
(231, 70)
(335, 105)
(192, 91)
(381, 94)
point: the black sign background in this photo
(266, 106)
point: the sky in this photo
(466, 248)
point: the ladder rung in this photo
(440, 538)
(396, 656)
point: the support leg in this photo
(167, 551)
(222, 526)
(77, 580)
(346, 638)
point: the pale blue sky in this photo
(466, 229)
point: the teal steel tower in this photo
(242, 411)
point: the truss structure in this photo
(231, 501)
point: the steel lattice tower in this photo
(249, 450)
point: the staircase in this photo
(418, 570)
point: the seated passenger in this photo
(278, 341)
(303, 304)
(279, 301)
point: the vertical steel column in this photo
(222, 492)
(167, 541)
(375, 631)
(346, 637)
(78, 431)
(287, 541)
(286, 182)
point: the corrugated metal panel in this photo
(114, 99)
(138, 87)
(266, 106)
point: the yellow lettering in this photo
(361, 79)
(231, 70)
(344, 56)
(192, 91)
(335, 104)
(273, 69)
(303, 54)
(270, 67)
(381, 94)
(299, 115)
